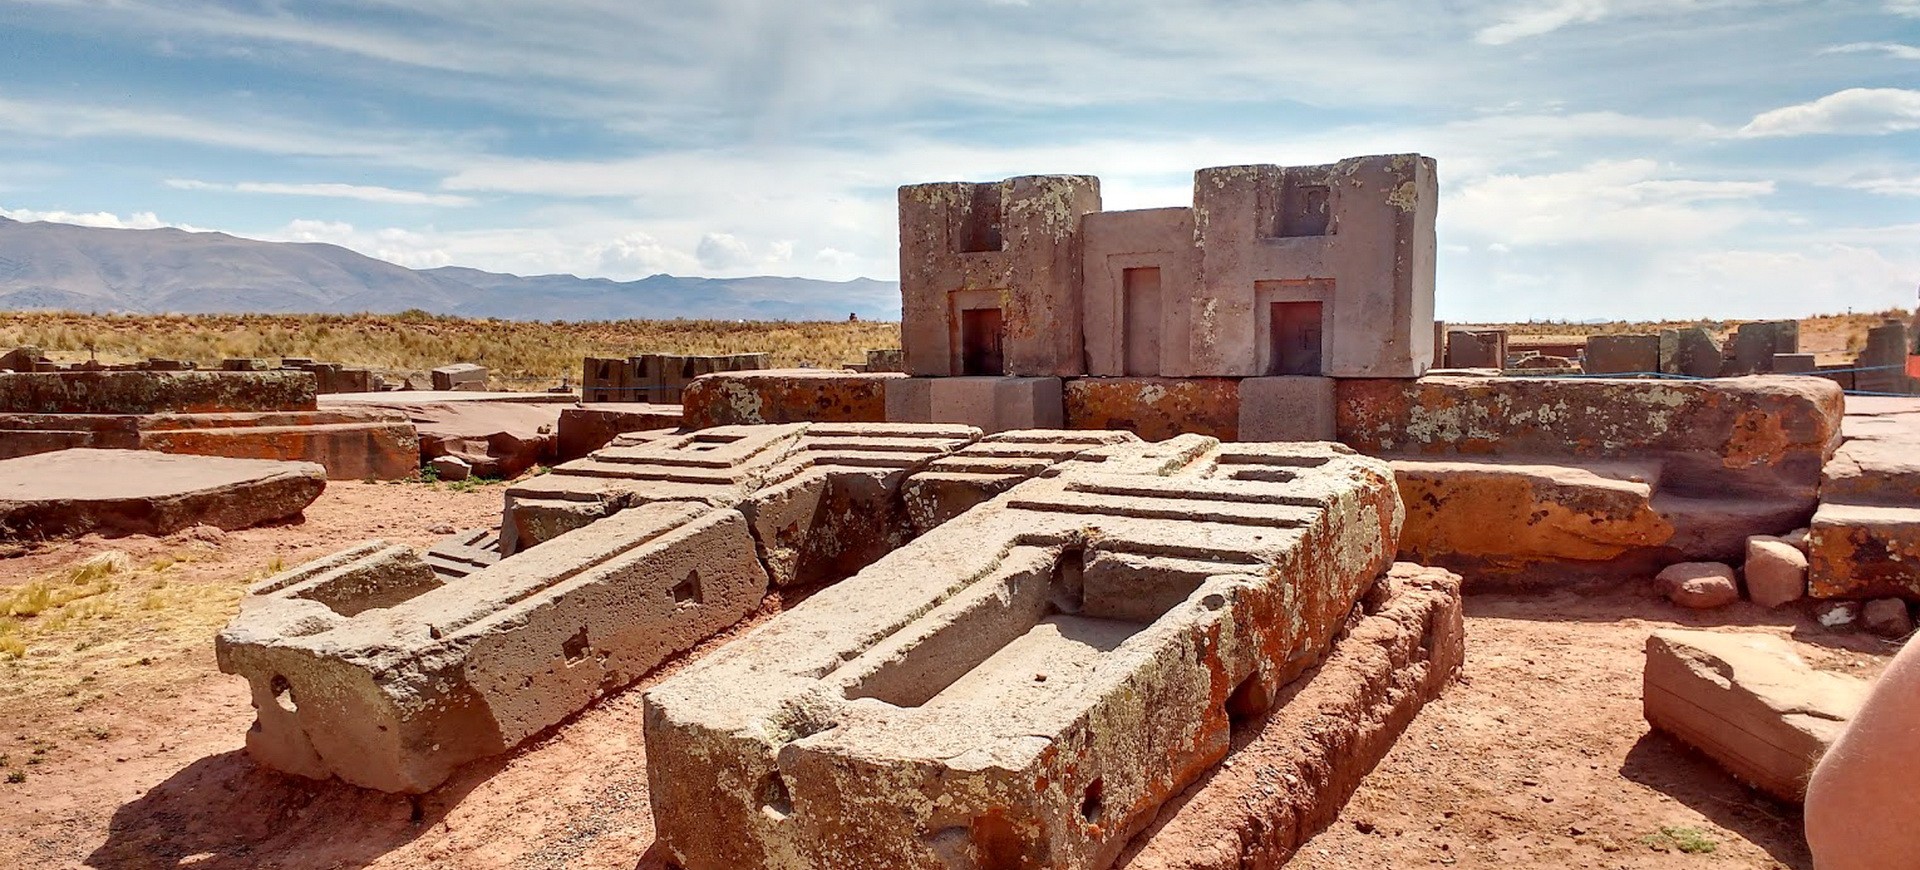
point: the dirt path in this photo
(130, 741)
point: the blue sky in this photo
(1599, 158)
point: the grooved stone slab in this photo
(73, 492)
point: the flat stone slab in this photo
(399, 398)
(1864, 551)
(155, 392)
(787, 396)
(73, 492)
(1750, 703)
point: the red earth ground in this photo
(126, 742)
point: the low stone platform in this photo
(123, 492)
(398, 398)
(351, 444)
(1749, 703)
(787, 396)
(501, 440)
(589, 427)
(183, 392)
(1027, 684)
(1864, 541)
(1294, 767)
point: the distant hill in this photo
(61, 266)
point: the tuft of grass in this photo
(90, 578)
(16, 776)
(1687, 840)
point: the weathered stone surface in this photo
(1621, 354)
(497, 439)
(787, 396)
(1297, 765)
(155, 392)
(1287, 409)
(1754, 345)
(1028, 683)
(988, 404)
(659, 378)
(1732, 438)
(351, 444)
(73, 492)
(954, 484)
(1156, 408)
(464, 377)
(1520, 523)
(1887, 617)
(1864, 551)
(1748, 702)
(1699, 585)
(1776, 571)
(589, 427)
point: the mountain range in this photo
(66, 267)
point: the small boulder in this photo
(450, 468)
(1887, 617)
(1699, 585)
(1797, 539)
(1776, 571)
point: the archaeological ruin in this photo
(1065, 583)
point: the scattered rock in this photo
(1887, 617)
(205, 534)
(451, 468)
(441, 529)
(1776, 571)
(1699, 585)
(1837, 614)
(1797, 539)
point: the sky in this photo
(1598, 158)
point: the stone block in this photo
(464, 377)
(121, 492)
(1155, 408)
(105, 392)
(1776, 571)
(245, 364)
(1883, 363)
(1029, 683)
(1476, 349)
(1287, 409)
(1874, 471)
(990, 275)
(1720, 439)
(1864, 551)
(1748, 702)
(589, 427)
(1522, 524)
(1755, 344)
(989, 404)
(886, 360)
(1294, 768)
(786, 396)
(1692, 352)
(1621, 354)
(350, 443)
(450, 468)
(1699, 585)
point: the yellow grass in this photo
(536, 354)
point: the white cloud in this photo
(144, 220)
(1538, 20)
(1611, 201)
(721, 251)
(362, 192)
(1908, 8)
(1856, 111)
(1887, 185)
(637, 254)
(1896, 50)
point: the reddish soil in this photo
(130, 740)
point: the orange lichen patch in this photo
(1759, 438)
(1862, 551)
(1155, 408)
